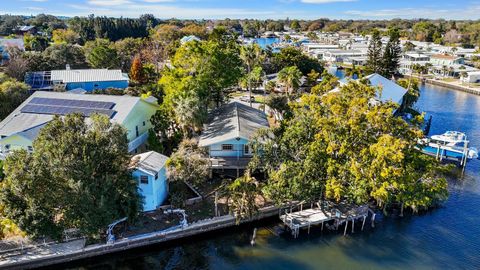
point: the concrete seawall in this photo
(475, 91)
(197, 228)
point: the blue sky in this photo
(259, 9)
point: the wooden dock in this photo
(321, 213)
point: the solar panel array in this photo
(66, 106)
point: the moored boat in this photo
(450, 145)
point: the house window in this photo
(227, 147)
(29, 148)
(143, 179)
(156, 176)
(246, 149)
(136, 131)
(144, 123)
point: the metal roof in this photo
(19, 121)
(390, 91)
(88, 75)
(231, 121)
(150, 162)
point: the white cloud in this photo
(108, 2)
(411, 13)
(157, 1)
(35, 8)
(325, 1)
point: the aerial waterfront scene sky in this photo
(265, 9)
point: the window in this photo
(29, 148)
(144, 123)
(143, 179)
(156, 176)
(246, 149)
(227, 147)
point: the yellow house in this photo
(21, 127)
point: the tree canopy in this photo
(77, 177)
(340, 146)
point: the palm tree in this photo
(251, 56)
(463, 74)
(445, 70)
(290, 77)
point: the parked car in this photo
(247, 98)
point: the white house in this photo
(472, 77)
(150, 173)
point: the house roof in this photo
(150, 162)
(231, 121)
(189, 38)
(88, 75)
(443, 56)
(19, 121)
(390, 91)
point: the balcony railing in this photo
(137, 142)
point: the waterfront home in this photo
(388, 90)
(446, 60)
(150, 173)
(410, 59)
(19, 129)
(334, 56)
(5, 43)
(472, 77)
(70, 79)
(228, 133)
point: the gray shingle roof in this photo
(231, 121)
(150, 162)
(390, 91)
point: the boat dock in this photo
(321, 213)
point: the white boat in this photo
(451, 144)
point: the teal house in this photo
(228, 133)
(150, 173)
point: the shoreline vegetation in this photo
(328, 142)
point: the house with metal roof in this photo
(19, 129)
(228, 133)
(388, 90)
(71, 79)
(150, 173)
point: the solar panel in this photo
(62, 110)
(73, 103)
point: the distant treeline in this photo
(88, 28)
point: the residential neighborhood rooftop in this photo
(233, 121)
(87, 75)
(150, 162)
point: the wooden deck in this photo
(320, 214)
(229, 162)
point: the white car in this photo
(247, 99)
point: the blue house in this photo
(72, 79)
(150, 172)
(228, 133)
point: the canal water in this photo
(444, 238)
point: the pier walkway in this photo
(324, 212)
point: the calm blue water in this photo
(264, 42)
(444, 238)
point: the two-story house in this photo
(150, 173)
(19, 129)
(228, 133)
